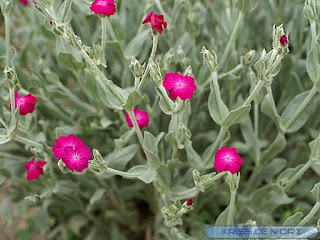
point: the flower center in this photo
(76, 157)
(33, 167)
(21, 101)
(138, 117)
(179, 84)
(228, 158)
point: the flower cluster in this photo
(73, 152)
(34, 169)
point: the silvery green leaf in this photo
(136, 44)
(293, 106)
(142, 172)
(287, 174)
(164, 105)
(111, 96)
(97, 195)
(293, 220)
(64, 13)
(222, 218)
(66, 60)
(316, 191)
(268, 108)
(193, 157)
(236, 116)
(120, 158)
(260, 66)
(151, 150)
(276, 147)
(76, 222)
(250, 138)
(213, 104)
(133, 100)
(171, 138)
(310, 64)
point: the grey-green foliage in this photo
(261, 99)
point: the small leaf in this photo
(316, 191)
(268, 108)
(97, 195)
(311, 67)
(142, 172)
(292, 107)
(120, 158)
(112, 97)
(164, 105)
(236, 116)
(276, 147)
(293, 220)
(76, 222)
(151, 150)
(66, 60)
(135, 45)
(133, 100)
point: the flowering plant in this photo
(149, 119)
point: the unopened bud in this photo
(248, 59)
(32, 200)
(309, 10)
(210, 59)
(136, 68)
(155, 73)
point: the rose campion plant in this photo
(157, 118)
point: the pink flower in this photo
(189, 202)
(34, 169)
(179, 86)
(73, 152)
(24, 2)
(141, 117)
(105, 7)
(283, 40)
(156, 20)
(227, 159)
(26, 103)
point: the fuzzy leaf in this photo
(97, 195)
(293, 220)
(213, 105)
(133, 100)
(236, 116)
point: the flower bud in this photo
(233, 180)
(309, 10)
(248, 59)
(210, 59)
(155, 73)
(32, 200)
(10, 77)
(136, 68)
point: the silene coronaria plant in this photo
(149, 119)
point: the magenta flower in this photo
(227, 159)
(105, 7)
(34, 169)
(179, 86)
(283, 40)
(24, 2)
(141, 117)
(189, 202)
(73, 152)
(26, 103)
(156, 20)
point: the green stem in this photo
(274, 65)
(153, 53)
(7, 36)
(27, 141)
(231, 207)
(136, 127)
(310, 214)
(216, 89)
(314, 47)
(303, 105)
(253, 94)
(166, 97)
(231, 40)
(103, 36)
(272, 58)
(298, 175)
(232, 71)
(4, 123)
(214, 147)
(12, 100)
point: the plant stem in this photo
(27, 141)
(231, 206)
(253, 94)
(103, 37)
(303, 105)
(310, 214)
(292, 180)
(232, 71)
(314, 44)
(7, 36)
(153, 52)
(136, 127)
(231, 40)
(12, 100)
(4, 123)
(214, 147)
